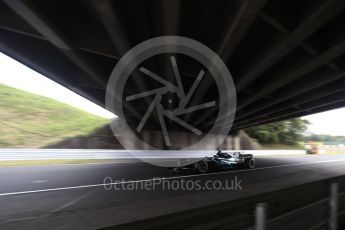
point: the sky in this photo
(330, 122)
(17, 75)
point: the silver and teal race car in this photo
(221, 161)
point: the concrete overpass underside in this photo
(287, 57)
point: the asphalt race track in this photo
(75, 196)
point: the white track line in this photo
(39, 181)
(163, 178)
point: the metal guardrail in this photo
(314, 205)
(261, 223)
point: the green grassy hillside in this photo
(32, 121)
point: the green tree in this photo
(285, 132)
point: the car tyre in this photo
(201, 167)
(250, 163)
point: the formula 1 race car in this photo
(221, 161)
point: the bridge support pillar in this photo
(236, 142)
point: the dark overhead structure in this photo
(287, 57)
